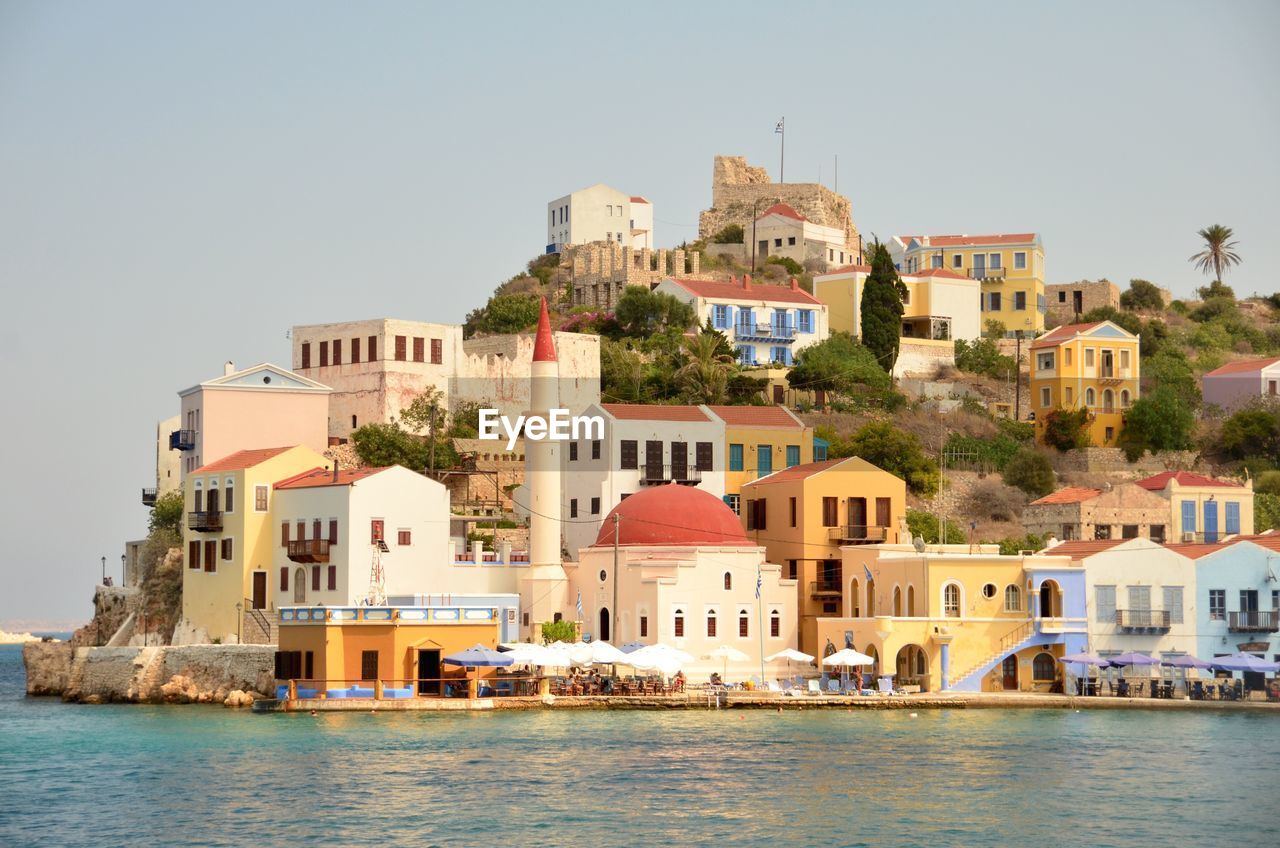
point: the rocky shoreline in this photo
(232, 675)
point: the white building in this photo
(643, 446)
(599, 213)
(782, 231)
(376, 368)
(329, 524)
(765, 323)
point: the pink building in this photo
(1237, 383)
(262, 405)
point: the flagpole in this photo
(782, 155)
(760, 624)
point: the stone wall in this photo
(736, 187)
(922, 358)
(186, 674)
(1094, 294)
(600, 271)
(1112, 461)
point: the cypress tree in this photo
(882, 295)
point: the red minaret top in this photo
(544, 347)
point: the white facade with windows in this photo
(765, 323)
(599, 213)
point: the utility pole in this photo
(617, 636)
(760, 619)
(1017, 376)
(781, 129)
(752, 246)
(433, 438)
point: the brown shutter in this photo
(703, 456)
(199, 500)
(284, 534)
(211, 555)
(315, 578)
(337, 351)
(315, 529)
(437, 351)
(333, 531)
(373, 348)
(324, 354)
(306, 355)
(629, 454)
(355, 350)
(226, 549)
(230, 497)
(401, 342)
(333, 577)
(419, 349)
(284, 578)
(193, 554)
(302, 530)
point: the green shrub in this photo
(1067, 429)
(898, 452)
(1142, 295)
(1178, 307)
(558, 631)
(1268, 483)
(1030, 471)
(166, 515)
(793, 267)
(983, 357)
(978, 454)
(730, 234)
(1266, 512)
(1013, 546)
(1253, 431)
(925, 525)
(1160, 421)
(1216, 289)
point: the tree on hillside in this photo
(1067, 429)
(622, 373)
(1253, 432)
(1030, 471)
(729, 234)
(1219, 252)
(1127, 320)
(882, 294)
(837, 364)
(166, 515)
(704, 378)
(1159, 421)
(898, 452)
(981, 356)
(1142, 295)
(504, 313)
(427, 415)
(641, 313)
(1171, 369)
(389, 444)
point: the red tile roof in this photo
(751, 291)
(1197, 550)
(784, 210)
(937, 272)
(800, 472)
(638, 199)
(241, 460)
(1243, 366)
(317, 477)
(757, 416)
(1082, 547)
(1158, 482)
(966, 240)
(1058, 335)
(654, 412)
(848, 269)
(1069, 495)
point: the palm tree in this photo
(1219, 252)
(704, 378)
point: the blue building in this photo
(1238, 600)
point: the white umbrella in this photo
(726, 653)
(659, 657)
(527, 653)
(790, 655)
(580, 653)
(848, 657)
(602, 653)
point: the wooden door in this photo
(259, 590)
(428, 671)
(857, 518)
(679, 460)
(653, 460)
(1009, 672)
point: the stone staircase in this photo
(1020, 637)
(259, 627)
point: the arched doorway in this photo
(605, 632)
(912, 667)
(1009, 673)
(897, 602)
(1050, 599)
(300, 586)
(855, 602)
(911, 601)
(871, 598)
(872, 670)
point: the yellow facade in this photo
(809, 512)
(1095, 366)
(1010, 267)
(759, 441)
(969, 598)
(333, 652)
(212, 589)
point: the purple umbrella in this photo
(1186, 661)
(1244, 662)
(1132, 658)
(1085, 659)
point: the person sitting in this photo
(677, 682)
(715, 679)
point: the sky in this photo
(181, 183)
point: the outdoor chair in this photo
(1139, 687)
(885, 686)
(833, 685)
(815, 687)
(775, 685)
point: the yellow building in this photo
(328, 650)
(958, 616)
(229, 538)
(939, 305)
(758, 441)
(1010, 267)
(803, 515)
(1094, 366)
(1203, 509)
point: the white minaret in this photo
(544, 588)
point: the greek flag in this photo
(868, 573)
(759, 582)
(579, 603)
(780, 127)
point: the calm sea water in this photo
(132, 775)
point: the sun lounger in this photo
(833, 685)
(775, 686)
(815, 687)
(886, 686)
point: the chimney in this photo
(335, 471)
(746, 281)
(733, 279)
(795, 286)
(228, 368)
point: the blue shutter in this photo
(1211, 521)
(1188, 516)
(793, 455)
(1233, 517)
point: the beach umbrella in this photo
(478, 655)
(1132, 658)
(659, 657)
(1244, 662)
(1084, 660)
(725, 653)
(1186, 661)
(848, 657)
(602, 653)
(527, 653)
(631, 647)
(790, 655)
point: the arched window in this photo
(1124, 398)
(911, 601)
(605, 629)
(199, 497)
(1108, 400)
(1043, 667)
(1089, 398)
(871, 598)
(711, 624)
(855, 600)
(228, 495)
(1012, 598)
(728, 581)
(897, 601)
(299, 586)
(211, 497)
(744, 624)
(677, 624)
(951, 600)
(775, 623)
(920, 663)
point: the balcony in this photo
(203, 522)
(182, 440)
(1254, 621)
(309, 550)
(986, 273)
(658, 475)
(1142, 619)
(764, 333)
(149, 497)
(858, 534)
(827, 587)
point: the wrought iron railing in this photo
(309, 550)
(1254, 621)
(204, 520)
(1144, 619)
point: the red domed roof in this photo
(677, 515)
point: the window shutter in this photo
(315, 528)
(226, 549)
(284, 534)
(373, 348)
(193, 555)
(333, 531)
(284, 579)
(306, 355)
(315, 578)
(337, 351)
(333, 577)
(355, 350)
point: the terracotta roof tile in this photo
(1069, 495)
(801, 472)
(1058, 335)
(1197, 550)
(784, 210)
(846, 269)
(241, 460)
(654, 412)
(1244, 366)
(967, 240)
(638, 199)
(317, 477)
(757, 416)
(751, 291)
(938, 272)
(1158, 482)
(1082, 547)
